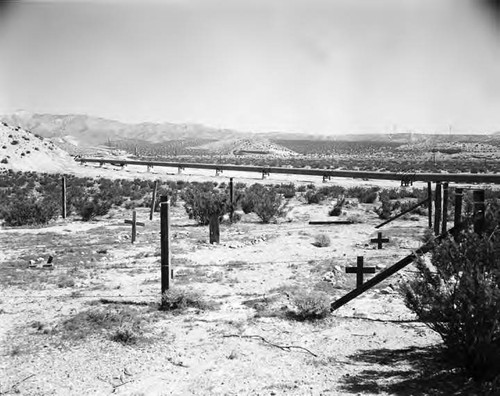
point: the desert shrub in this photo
(29, 211)
(457, 295)
(90, 208)
(322, 240)
(314, 197)
(363, 194)
(301, 188)
(288, 190)
(124, 334)
(310, 305)
(332, 191)
(178, 299)
(5, 161)
(384, 211)
(202, 201)
(263, 201)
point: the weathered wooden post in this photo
(214, 229)
(153, 200)
(231, 198)
(445, 208)
(458, 206)
(479, 211)
(165, 243)
(437, 205)
(63, 198)
(359, 270)
(429, 197)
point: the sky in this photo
(307, 66)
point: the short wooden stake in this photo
(214, 229)
(153, 200)
(479, 211)
(379, 240)
(360, 270)
(166, 274)
(134, 223)
(429, 197)
(437, 205)
(458, 206)
(444, 227)
(63, 198)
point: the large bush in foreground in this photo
(458, 296)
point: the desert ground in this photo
(91, 325)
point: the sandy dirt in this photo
(244, 344)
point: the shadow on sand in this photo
(405, 372)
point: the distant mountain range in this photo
(88, 130)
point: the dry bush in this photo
(310, 305)
(179, 299)
(322, 240)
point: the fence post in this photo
(479, 211)
(445, 208)
(214, 230)
(429, 197)
(231, 198)
(153, 200)
(63, 202)
(458, 206)
(437, 205)
(165, 243)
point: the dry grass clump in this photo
(309, 305)
(322, 240)
(179, 299)
(122, 324)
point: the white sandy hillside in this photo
(241, 146)
(21, 150)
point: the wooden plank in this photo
(325, 222)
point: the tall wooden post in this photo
(63, 198)
(437, 205)
(458, 206)
(231, 198)
(214, 229)
(165, 243)
(429, 196)
(153, 200)
(445, 208)
(479, 211)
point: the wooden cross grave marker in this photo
(134, 223)
(379, 240)
(359, 270)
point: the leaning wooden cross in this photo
(379, 240)
(134, 223)
(359, 270)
